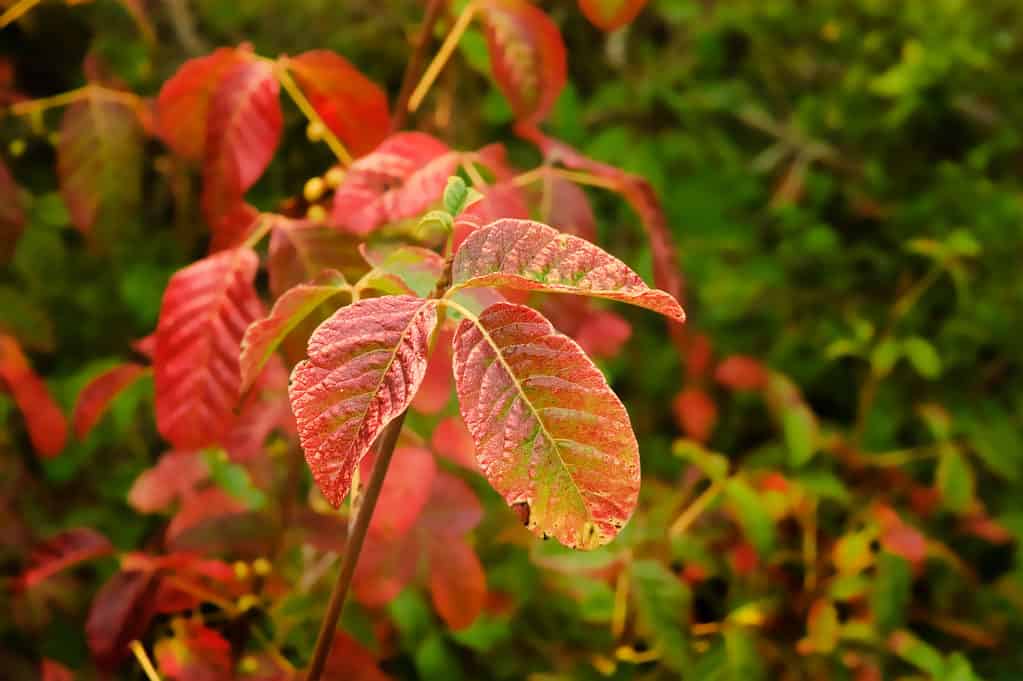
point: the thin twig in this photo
(415, 63)
(16, 11)
(297, 96)
(143, 658)
(385, 450)
(442, 56)
(693, 511)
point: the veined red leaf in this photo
(97, 395)
(120, 613)
(350, 104)
(62, 551)
(401, 178)
(696, 413)
(300, 251)
(435, 391)
(45, 422)
(206, 308)
(409, 480)
(410, 269)
(55, 671)
(184, 102)
(243, 132)
(263, 336)
(365, 364)
(458, 584)
(741, 372)
(12, 213)
(549, 431)
(175, 475)
(611, 14)
(527, 56)
(99, 161)
(529, 255)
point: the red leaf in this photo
(351, 105)
(529, 255)
(62, 551)
(263, 336)
(184, 102)
(232, 228)
(502, 200)
(199, 507)
(206, 308)
(527, 56)
(741, 372)
(97, 395)
(611, 14)
(549, 431)
(175, 475)
(452, 510)
(55, 671)
(12, 213)
(300, 251)
(349, 661)
(570, 210)
(120, 613)
(365, 364)
(400, 179)
(905, 541)
(698, 356)
(451, 439)
(99, 159)
(243, 132)
(47, 428)
(599, 333)
(696, 413)
(458, 584)
(195, 653)
(435, 391)
(405, 491)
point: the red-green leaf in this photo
(263, 336)
(527, 55)
(97, 395)
(243, 132)
(12, 213)
(532, 256)
(62, 551)
(175, 475)
(409, 269)
(549, 431)
(120, 613)
(206, 308)
(351, 105)
(184, 102)
(46, 425)
(401, 178)
(99, 161)
(611, 14)
(365, 364)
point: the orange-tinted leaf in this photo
(527, 55)
(62, 551)
(243, 132)
(401, 178)
(611, 14)
(206, 308)
(405, 491)
(263, 336)
(55, 671)
(349, 661)
(46, 425)
(696, 413)
(184, 102)
(458, 584)
(120, 613)
(451, 439)
(532, 256)
(351, 105)
(97, 395)
(99, 159)
(175, 475)
(435, 390)
(741, 372)
(12, 213)
(549, 431)
(365, 364)
(822, 626)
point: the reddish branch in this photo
(415, 64)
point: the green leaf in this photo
(751, 514)
(884, 356)
(799, 426)
(712, 464)
(922, 356)
(233, 479)
(662, 607)
(458, 196)
(998, 443)
(435, 659)
(918, 653)
(890, 597)
(955, 480)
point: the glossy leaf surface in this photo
(365, 364)
(549, 431)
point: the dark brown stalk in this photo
(385, 450)
(415, 64)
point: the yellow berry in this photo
(316, 213)
(261, 566)
(334, 177)
(313, 189)
(53, 138)
(247, 602)
(315, 131)
(249, 665)
(241, 570)
(17, 147)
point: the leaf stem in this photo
(297, 96)
(442, 56)
(415, 63)
(385, 450)
(693, 511)
(579, 177)
(143, 657)
(16, 11)
(72, 96)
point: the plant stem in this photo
(385, 450)
(16, 11)
(415, 64)
(297, 96)
(143, 659)
(449, 45)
